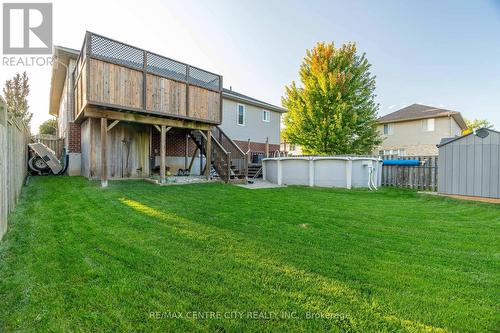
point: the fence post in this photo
(14, 136)
(3, 168)
(435, 173)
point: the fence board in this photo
(422, 177)
(14, 138)
(52, 142)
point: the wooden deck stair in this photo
(228, 160)
(254, 170)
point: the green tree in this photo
(48, 127)
(16, 92)
(476, 124)
(333, 111)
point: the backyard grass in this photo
(136, 257)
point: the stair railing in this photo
(237, 157)
(221, 160)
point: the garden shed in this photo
(470, 165)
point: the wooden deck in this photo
(120, 88)
(114, 76)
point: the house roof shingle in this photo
(245, 98)
(419, 111)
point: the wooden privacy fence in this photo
(422, 177)
(14, 138)
(51, 141)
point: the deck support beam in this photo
(163, 143)
(192, 159)
(208, 152)
(104, 157)
(143, 119)
(113, 124)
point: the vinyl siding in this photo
(410, 136)
(255, 128)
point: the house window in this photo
(266, 116)
(388, 129)
(395, 152)
(428, 125)
(241, 115)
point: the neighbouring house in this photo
(291, 149)
(417, 130)
(251, 123)
(143, 105)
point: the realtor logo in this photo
(27, 28)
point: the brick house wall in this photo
(256, 147)
(176, 143)
(74, 138)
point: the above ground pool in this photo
(332, 171)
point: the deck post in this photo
(163, 141)
(104, 157)
(248, 155)
(209, 154)
(186, 152)
(201, 156)
(267, 147)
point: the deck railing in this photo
(114, 74)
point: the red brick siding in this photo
(257, 147)
(74, 138)
(176, 143)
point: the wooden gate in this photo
(422, 177)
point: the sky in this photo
(440, 53)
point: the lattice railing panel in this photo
(204, 79)
(116, 52)
(166, 67)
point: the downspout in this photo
(449, 117)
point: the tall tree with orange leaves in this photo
(333, 110)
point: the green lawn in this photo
(78, 258)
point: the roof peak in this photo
(243, 97)
(420, 111)
(429, 107)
